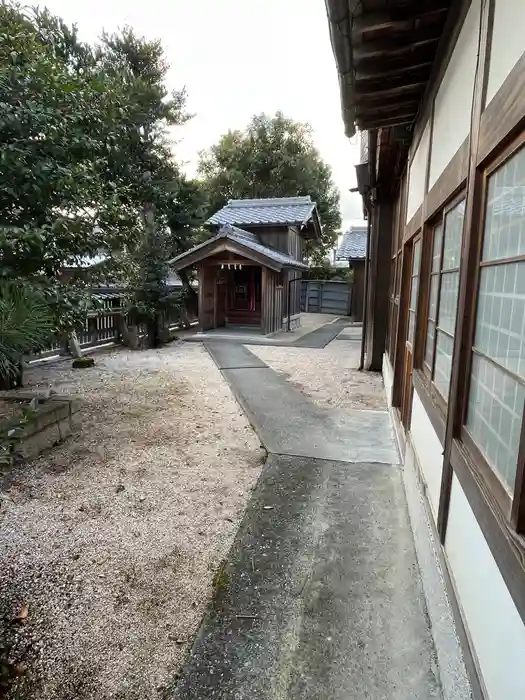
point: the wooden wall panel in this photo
(271, 318)
(295, 244)
(206, 297)
(273, 237)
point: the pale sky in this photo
(237, 58)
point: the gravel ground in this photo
(328, 376)
(109, 542)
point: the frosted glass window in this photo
(443, 366)
(443, 296)
(414, 288)
(497, 382)
(433, 294)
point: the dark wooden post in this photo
(93, 332)
(64, 344)
(377, 307)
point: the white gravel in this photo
(112, 538)
(328, 376)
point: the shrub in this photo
(26, 326)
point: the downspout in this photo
(365, 296)
(372, 169)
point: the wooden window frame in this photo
(390, 344)
(414, 275)
(426, 373)
(512, 507)
(398, 294)
(429, 369)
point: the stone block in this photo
(49, 423)
(31, 446)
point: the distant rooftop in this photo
(269, 211)
(353, 245)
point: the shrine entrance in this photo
(243, 292)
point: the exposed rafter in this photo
(399, 68)
(400, 19)
(385, 52)
(406, 80)
(397, 46)
(388, 92)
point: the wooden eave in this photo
(385, 51)
(229, 246)
(312, 228)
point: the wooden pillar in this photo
(378, 283)
(201, 278)
(206, 297)
(265, 310)
(93, 330)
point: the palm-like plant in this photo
(26, 325)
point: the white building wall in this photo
(494, 624)
(453, 104)
(495, 628)
(455, 684)
(508, 42)
(417, 174)
(429, 452)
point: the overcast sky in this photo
(237, 58)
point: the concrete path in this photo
(318, 338)
(320, 598)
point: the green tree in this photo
(186, 217)
(144, 158)
(60, 116)
(85, 156)
(170, 204)
(274, 157)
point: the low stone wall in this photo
(43, 424)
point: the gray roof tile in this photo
(251, 241)
(271, 211)
(353, 245)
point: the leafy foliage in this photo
(170, 205)
(274, 157)
(143, 160)
(151, 298)
(326, 273)
(85, 152)
(57, 126)
(26, 325)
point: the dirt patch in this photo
(112, 539)
(328, 376)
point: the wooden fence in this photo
(103, 324)
(326, 297)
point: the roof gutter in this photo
(340, 19)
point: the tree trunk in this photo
(74, 345)
(152, 331)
